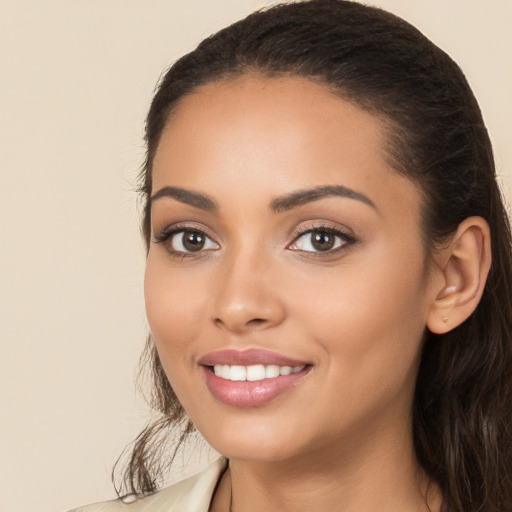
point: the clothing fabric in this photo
(191, 495)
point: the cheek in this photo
(369, 318)
(174, 305)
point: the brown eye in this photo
(191, 241)
(322, 241)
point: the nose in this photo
(247, 296)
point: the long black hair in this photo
(462, 413)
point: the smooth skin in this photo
(355, 310)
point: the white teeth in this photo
(253, 372)
(238, 373)
(256, 372)
(271, 371)
(285, 370)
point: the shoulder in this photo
(193, 494)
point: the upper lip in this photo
(248, 357)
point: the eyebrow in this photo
(277, 205)
(190, 197)
(302, 197)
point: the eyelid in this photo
(346, 235)
(168, 231)
(165, 237)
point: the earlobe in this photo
(465, 265)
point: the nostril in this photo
(253, 322)
(256, 321)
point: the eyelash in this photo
(167, 235)
(346, 239)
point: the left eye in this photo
(191, 241)
(318, 241)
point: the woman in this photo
(321, 212)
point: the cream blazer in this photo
(191, 495)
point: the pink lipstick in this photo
(252, 377)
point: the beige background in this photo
(76, 80)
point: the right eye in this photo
(187, 241)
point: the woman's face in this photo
(282, 241)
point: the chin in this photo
(255, 452)
(256, 439)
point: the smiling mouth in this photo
(253, 385)
(253, 373)
(251, 377)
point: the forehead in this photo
(273, 135)
(284, 116)
(288, 99)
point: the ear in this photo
(464, 265)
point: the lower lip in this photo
(244, 394)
